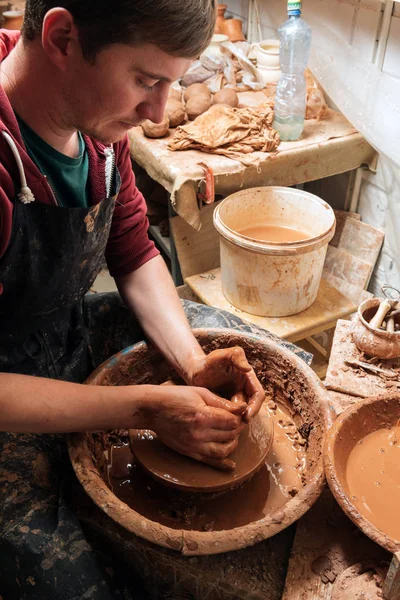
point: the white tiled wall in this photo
(357, 22)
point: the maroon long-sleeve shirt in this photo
(128, 245)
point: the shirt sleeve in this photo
(129, 246)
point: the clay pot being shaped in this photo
(350, 432)
(13, 19)
(233, 29)
(374, 342)
(221, 8)
(285, 377)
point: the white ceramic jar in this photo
(267, 53)
(268, 74)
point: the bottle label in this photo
(294, 5)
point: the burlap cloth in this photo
(233, 132)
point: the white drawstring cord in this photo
(25, 195)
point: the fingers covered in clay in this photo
(235, 408)
(228, 372)
(193, 421)
(217, 455)
(255, 395)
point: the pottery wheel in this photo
(179, 471)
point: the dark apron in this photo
(53, 257)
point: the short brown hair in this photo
(179, 27)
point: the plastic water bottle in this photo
(290, 103)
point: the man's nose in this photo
(153, 110)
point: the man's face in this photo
(124, 86)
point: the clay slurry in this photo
(269, 489)
(373, 479)
(274, 233)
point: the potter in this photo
(72, 85)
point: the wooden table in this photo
(329, 306)
(308, 159)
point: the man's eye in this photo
(144, 86)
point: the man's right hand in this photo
(197, 423)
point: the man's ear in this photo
(59, 37)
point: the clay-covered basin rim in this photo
(385, 409)
(205, 542)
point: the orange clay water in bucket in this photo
(273, 242)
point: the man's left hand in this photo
(228, 372)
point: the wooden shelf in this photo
(329, 306)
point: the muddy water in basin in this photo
(373, 479)
(269, 489)
(274, 233)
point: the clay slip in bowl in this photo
(351, 426)
(280, 371)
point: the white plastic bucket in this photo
(273, 279)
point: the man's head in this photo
(110, 65)
(178, 27)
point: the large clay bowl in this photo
(280, 371)
(352, 425)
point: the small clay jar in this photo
(221, 8)
(374, 342)
(233, 29)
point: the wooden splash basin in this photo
(291, 386)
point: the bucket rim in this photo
(297, 247)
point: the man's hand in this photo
(197, 423)
(227, 372)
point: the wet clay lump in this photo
(274, 233)
(373, 479)
(279, 479)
